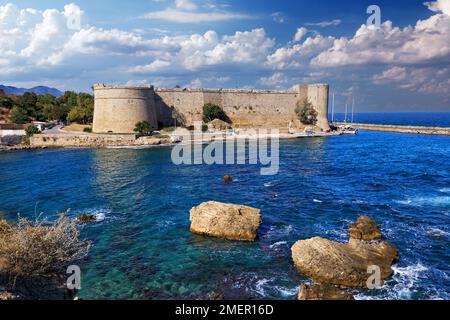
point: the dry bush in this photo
(34, 249)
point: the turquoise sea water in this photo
(144, 250)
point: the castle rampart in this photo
(118, 109)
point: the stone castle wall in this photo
(117, 109)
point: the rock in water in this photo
(343, 264)
(323, 292)
(86, 218)
(228, 179)
(364, 229)
(229, 221)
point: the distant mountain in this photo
(37, 90)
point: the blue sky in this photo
(401, 66)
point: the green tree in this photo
(45, 107)
(28, 102)
(6, 102)
(83, 112)
(65, 103)
(19, 115)
(306, 112)
(212, 112)
(143, 127)
(31, 130)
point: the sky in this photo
(401, 66)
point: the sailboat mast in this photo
(332, 110)
(346, 112)
(353, 109)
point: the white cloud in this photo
(278, 17)
(187, 5)
(249, 48)
(324, 24)
(186, 11)
(429, 80)
(439, 6)
(301, 32)
(299, 55)
(274, 80)
(426, 42)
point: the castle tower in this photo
(317, 95)
(117, 109)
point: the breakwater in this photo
(400, 129)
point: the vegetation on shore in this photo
(143, 127)
(72, 106)
(33, 249)
(306, 112)
(212, 111)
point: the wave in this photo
(279, 231)
(266, 288)
(277, 244)
(270, 184)
(428, 201)
(402, 285)
(444, 190)
(100, 214)
(317, 201)
(437, 233)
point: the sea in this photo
(142, 247)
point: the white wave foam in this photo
(429, 201)
(277, 244)
(286, 292)
(444, 190)
(402, 286)
(437, 233)
(279, 231)
(317, 201)
(270, 184)
(407, 278)
(264, 287)
(100, 214)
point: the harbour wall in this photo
(118, 108)
(400, 129)
(62, 140)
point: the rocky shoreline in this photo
(71, 140)
(363, 262)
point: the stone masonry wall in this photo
(117, 109)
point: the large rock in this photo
(323, 292)
(343, 264)
(229, 221)
(364, 229)
(218, 125)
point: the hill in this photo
(37, 90)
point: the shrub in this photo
(25, 140)
(6, 102)
(143, 127)
(33, 249)
(31, 130)
(19, 115)
(212, 112)
(87, 130)
(306, 113)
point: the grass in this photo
(32, 249)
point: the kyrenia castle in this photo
(119, 108)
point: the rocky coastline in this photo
(333, 267)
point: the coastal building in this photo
(118, 108)
(11, 134)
